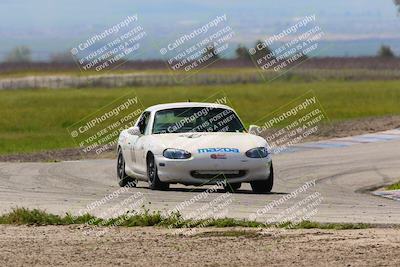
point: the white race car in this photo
(193, 144)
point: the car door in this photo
(129, 145)
(130, 158)
(139, 145)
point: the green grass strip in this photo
(24, 216)
(395, 186)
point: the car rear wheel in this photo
(264, 186)
(152, 174)
(232, 187)
(124, 179)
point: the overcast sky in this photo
(49, 26)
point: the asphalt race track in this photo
(344, 175)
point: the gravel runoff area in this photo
(152, 246)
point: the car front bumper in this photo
(203, 170)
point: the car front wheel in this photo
(152, 174)
(124, 179)
(264, 186)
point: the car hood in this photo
(192, 142)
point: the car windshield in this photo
(197, 119)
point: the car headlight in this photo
(171, 153)
(258, 152)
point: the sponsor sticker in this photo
(216, 150)
(218, 156)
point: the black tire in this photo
(264, 186)
(152, 174)
(124, 179)
(232, 187)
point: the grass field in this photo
(34, 120)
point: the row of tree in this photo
(24, 53)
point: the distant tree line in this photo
(242, 52)
(22, 54)
(19, 54)
(386, 52)
(397, 3)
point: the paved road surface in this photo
(342, 174)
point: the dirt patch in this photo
(337, 129)
(353, 127)
(358, 126)
(68, 246)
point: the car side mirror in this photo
(134, 130)
(254, 129)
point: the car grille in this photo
(218, 174)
